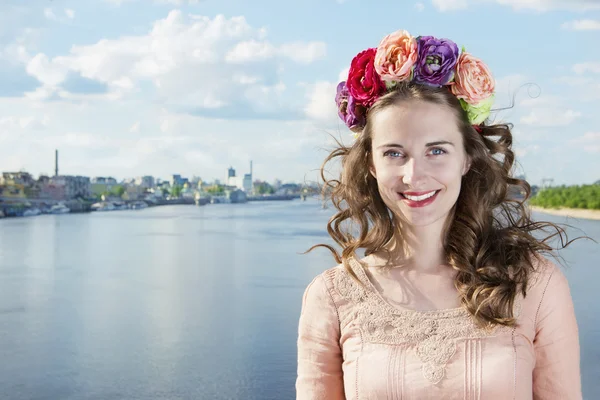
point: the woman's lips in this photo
(418, 203)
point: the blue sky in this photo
(126, 88)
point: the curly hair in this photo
(489, 235)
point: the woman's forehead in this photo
(415, 121)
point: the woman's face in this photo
(418, 160)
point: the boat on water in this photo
(103, 206)
(201, 200)
(115, 206)
(59, 209)
(120, 205)
(30, 212)
(221, 199)
(138, 205)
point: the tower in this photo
(56, 162)
(230, 177)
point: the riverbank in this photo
(569, 212)
(33, 207)
(30, 207)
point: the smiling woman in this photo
(453, 298)
(415, 142)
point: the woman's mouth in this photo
(419, 199)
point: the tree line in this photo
(584, 196)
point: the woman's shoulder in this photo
(340, 269)
(344, 280)
(546, 280)
(544, 270)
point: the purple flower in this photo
(352, 113)
(436, 61)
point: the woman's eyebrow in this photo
(436, 143)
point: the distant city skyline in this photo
(231, 172)
(126, 88)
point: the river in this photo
(184, 302)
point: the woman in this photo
(453, 299)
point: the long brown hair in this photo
(489, 236)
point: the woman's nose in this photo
(413, 173)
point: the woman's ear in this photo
(372, 169)
(466, 166)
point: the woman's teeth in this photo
(420, 198)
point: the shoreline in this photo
(569, 212)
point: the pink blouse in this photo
(352, 344)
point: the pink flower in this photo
(396, 55)
(363, 82)
(473, 81)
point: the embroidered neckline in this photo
(360, 271)
(433, 334)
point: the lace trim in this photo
(434, 334)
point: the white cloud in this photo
(509, 83)
(590, 137)
(575, 80)
(343, 74)
(526, 150)
(189, 61)
(536, 5)
(321, 99)
(321, 104)
(590, 141)
(15, 53)
(582, 25)
(545, 110)
(541, 101)
(449, 5)
(265, 98)
(249, 51)
(42, 93)
(304, 53)
(18, 122)
(49, 14)
(135, 128)
(582, 68)
(584, 87)
(245, 79)
(419, 6)
(549, 117)
(547, 5)
(81, 140)
(15, 128)
(49, 72)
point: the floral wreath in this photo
(424, 60)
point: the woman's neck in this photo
(422, 248)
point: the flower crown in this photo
(424, 60)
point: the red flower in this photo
(364, 84)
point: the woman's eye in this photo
(392, 153)
(438, 151)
